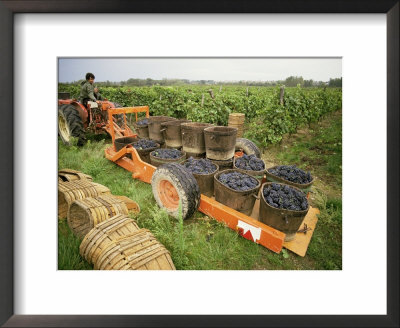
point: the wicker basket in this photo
(85, 214)
(103, 234)
(68, 192)
(139, 250)
(71, 175)
(236, 120)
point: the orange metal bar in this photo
(124, 110)
(140, 170)
(246, 226)
(138, 109)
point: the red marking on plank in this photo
(246, 235)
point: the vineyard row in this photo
(267, 120)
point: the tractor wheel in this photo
(247, 146)
(70, 125)
(173, 184)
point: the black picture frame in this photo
(7, 11)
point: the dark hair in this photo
(89, 75)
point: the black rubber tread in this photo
(74, 122)
(248, 147)
(184, 183)
(190, 187)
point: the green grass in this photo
(68, 250)
(202, 243)
(318, 151)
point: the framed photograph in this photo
(43, 44)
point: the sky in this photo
(217, 69)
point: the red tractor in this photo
(74, 119)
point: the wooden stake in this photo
(202, 100)
(282, 94)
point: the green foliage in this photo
(266, 119)
(293, 81)
(301, 106)
(337, 83)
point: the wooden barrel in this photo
(72, 175)
(97, 239)
(236, 120)
(85, 214)
(68, 192)
(139, 250)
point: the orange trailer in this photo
(247, 226)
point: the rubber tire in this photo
(74, 123)
(184, 183)
(248, 147)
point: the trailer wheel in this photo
(70, 125)
(171, 184)
(247, 146)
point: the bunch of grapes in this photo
(286, 197)
(250, 163)
(200, 166)
(238, 181)
(291, 173)
(167, 153)
(145, 144)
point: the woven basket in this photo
(132, 206)
(236, 120)
(139, 250)
(71, 175)
(103, 234)
(85, 214)
(68, 192)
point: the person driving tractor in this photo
(88, 91)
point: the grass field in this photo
(202, 243)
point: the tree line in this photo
(291, 81)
